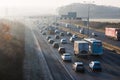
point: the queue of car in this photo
(77, 66)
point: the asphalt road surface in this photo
(110, 63)
(40, 62)
(43, 62)
(101, 36)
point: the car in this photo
(74, 36)
(43, 33)
(95, 66)
(69, 34)
(56, 31)
(63, 41)
(72, 39)
(61, 34)
(57, 37)
(66, 57)
(78, 26)
(48, 37)
(51, 41)
(78, 66)
(55, 45)
(82, 31)
(94, 34)
(61, 50)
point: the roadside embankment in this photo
(11, 50)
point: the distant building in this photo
(64, 16)
(71, 16)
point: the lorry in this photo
(113, 33)
(81, 48)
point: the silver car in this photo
(63, 41)
(66, 57)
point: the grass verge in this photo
(11, 50)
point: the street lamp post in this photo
(88, 19)
(88, 16)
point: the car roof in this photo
(48, 36)
(63, 39)
(66, 54)
(50, 39)
(56, 43)
(61, 47)
(72, 37)
(77, 63)
(96, 61)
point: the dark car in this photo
(61, 34)
(69, 34)
(48, 37)
(55, 45)
(94, 34)
(78, 66)
(43, 33)
(95, 66)
(57, 37)
(61, 50)
(72, 39)
(74, 36)
(51, 41)
(57, 31)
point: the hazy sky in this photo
(13, 7)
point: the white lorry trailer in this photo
(81, 48)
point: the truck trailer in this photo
(81, 48)
(113, 33)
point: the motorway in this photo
(43, 62)
(101, 35)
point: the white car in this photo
(95, 66)
(66, 57)
(63, 41)
(78, 66)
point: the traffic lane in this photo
(68, 65)
(101, 36)
(104, 75)
(57, 70)
(90, 74)
(107, 59)
(33, 67)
